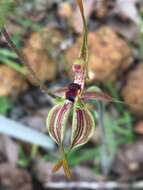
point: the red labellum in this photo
(72, 92)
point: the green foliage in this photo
(9, 58)
(114, 92)
(27, 23)
(5, 7)
(5, 105)
(23, 159)
(82, 155)
(115, 131)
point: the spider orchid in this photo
(72, 103)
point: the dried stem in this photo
(94, 185)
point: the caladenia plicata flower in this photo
(72, 104)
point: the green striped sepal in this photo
(57, 120)
(82, 127)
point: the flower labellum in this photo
(72, 91)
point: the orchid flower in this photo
(72, 103)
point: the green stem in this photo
(34, 151)
(84, 47)
(13, 65)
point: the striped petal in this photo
(95, 93)
(57, 120)
(82, 127)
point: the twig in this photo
(94, 185)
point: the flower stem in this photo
(84, 47)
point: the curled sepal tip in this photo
(57, 120)
(80, 4)
(67, 170)
(63, 164)
(57, 166)
(82, 127)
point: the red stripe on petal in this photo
(83, 127)
(51, 122)
(62, 117)
(79, 127)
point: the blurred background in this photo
(49, 33)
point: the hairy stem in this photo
(24, 60)
(84, 47)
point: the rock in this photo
(133, 90)
(108, 54)
(11, 82)
(40, 50)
